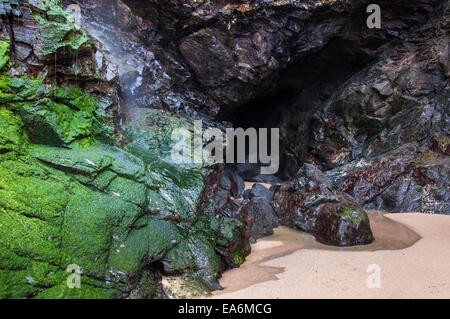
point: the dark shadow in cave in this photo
(303, 89)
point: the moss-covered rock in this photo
(40, 232)
(111, 212)
(53, 115)
(70, 195)
(312, 206)
(4, 54)
(11, 136)
(58, 30)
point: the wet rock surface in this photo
(402, 184)
(237, 184)
(105, 198)
(259, 190)
(310, 205)
(87, 113)
(338, 91)
(259, 216)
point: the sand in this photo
(412, 252)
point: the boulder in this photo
(259, 216)
(312, 206)
(259, 190)
(246, 194)
(237, 184)
(400, 184)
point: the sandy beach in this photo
(411, 253)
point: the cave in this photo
(301, 90)
(91, 181)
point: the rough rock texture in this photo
(312, 206)
(87, 113)
(259, 216)
(123, 212)
(401, 184)
(259, 190)
(339, 91)
(237, 184)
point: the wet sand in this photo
(412, 251)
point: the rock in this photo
(401, 184)
(337, 224)
(237, 184)
(354, 94)
(259, 190)
(87, 114)
(23, 51)
(312, 206)
(268, 179)
(246, 194)
(247, 170)
(441, 144)
(55, 123)
(225, 183)
(221, 199)
(259, 216)
(119, 211)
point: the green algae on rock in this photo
(4, 54)
(106, 230)
(58, 30)
(312, 206)
(52, 115)
(80, 199)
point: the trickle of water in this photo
(76, 68)
(120, 112)
(56, 82)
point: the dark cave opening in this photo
(304, 88)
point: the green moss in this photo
(62, 291)
(33, 225)
(69, 196)
(108, 236)
(185, 287)
(104, 179)
(58, 31)
(91, 222)
(11, 136)
(92, 161)
(180, 258)
(150, 240)
(47, 222)
(128, 190)
(354, 215)
(239, 257)
(150, 134)
(228, 231)
(4, 54)
(205, 258)
(147, 287)
(176, 188)
(54, 116)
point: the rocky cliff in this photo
(88, 107)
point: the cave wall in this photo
(343, 95)
(87, 113)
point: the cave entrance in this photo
(304, 88)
